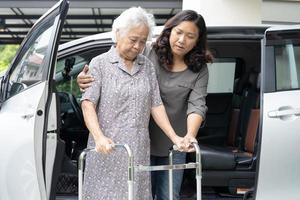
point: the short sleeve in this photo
(155, 94)
(197, 97)
(93, 92)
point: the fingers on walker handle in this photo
(175, 148)
(110, 146)
(107, 147)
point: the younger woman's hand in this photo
(83, 79)
(188, 140)
(179, 143)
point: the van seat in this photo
(229, 158)
(233, 127)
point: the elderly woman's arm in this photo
(103, 144)
(161, 118)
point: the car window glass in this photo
(67, 69)
(287, 58)
(30, 67)
(221, 76)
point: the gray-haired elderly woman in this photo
(117, 108)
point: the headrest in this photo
(258, 81)
(254, 79)
(240, 77)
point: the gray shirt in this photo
(182, 93)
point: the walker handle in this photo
(175, 148)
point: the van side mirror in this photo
(15, 88)
(69, 63)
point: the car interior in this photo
(227, 139)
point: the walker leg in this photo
(171, 176)
(130, 190)
(80, 173)
(130, 170)
(198, 171)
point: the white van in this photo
(249, 142)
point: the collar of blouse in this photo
(119, 62)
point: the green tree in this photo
(7, 53)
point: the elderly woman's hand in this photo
(104, 144)
(83, 79)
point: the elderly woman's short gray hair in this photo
(132, 18)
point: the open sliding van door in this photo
(28, 123)
(279, 162)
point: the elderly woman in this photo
(117, 108)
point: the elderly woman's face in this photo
(133, 42)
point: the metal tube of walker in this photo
(81, 163)
(198, 170)
(130, 170)
(171, 175)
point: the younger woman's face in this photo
(183, 38)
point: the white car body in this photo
(30, 147)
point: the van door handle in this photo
(282, 113)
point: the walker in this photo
(139, 168)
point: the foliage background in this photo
(7, 53)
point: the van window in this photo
(67, 69)
(31, 65)
(287, 61)
(221, 76)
